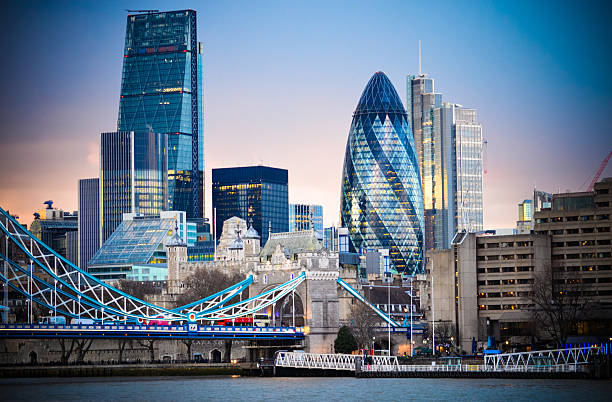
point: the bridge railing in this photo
(554, 357)
(315, 361)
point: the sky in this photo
(281, 80)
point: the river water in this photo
(300, 389)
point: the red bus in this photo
(236, 322)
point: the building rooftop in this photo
(292, 243)
(134, 242)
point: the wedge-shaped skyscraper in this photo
(382, 199)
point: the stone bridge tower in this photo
(318, 294)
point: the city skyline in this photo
(526, 121)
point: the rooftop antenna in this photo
(420, 74)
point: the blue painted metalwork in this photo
(362, 299)
(127, 331)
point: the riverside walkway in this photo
(568, 362)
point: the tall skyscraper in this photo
(382, 199)
(257, 194)
(89, 220)
(161, 91)
(421, 99)
(132, 177)
(305, 216)
(452, 174)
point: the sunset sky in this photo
(281, 80)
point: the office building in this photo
(136, 249)
(52, 225)
(421, 99)
(161, 92)
(484, 284)
(524, 224)
(89, 220)
(381, 196)
(305, 216)
(452, 174)
(132, 177)
(257, 194)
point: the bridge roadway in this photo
(127, 331)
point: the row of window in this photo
(505, 257)
(496, 282)
(602, 229)
(582, 218)
(506, 244)
(585, 243)
(504, 269)
(504, 294)
(588, 268)
(581, 255)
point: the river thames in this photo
(299, 389)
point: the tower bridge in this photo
(305, 296)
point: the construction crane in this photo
(599, 172)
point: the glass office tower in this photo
(382, 200)
(453, 174)
(132, 177)
(257, 194)
(421, 99)
(161, 92)
(89, 220)
(305, 216)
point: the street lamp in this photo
(373, 339)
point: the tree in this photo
(66, 352)
(150, 345)
(82, 347)
(138, 289)
(205, 282)
(188, 343)
(560, 301)
(445, 334)
(122, 343)
(345, 341)
(363, 323)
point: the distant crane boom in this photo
(599, 172)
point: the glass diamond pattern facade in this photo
(161, 92)
(382, 199)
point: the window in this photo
(572, 256)
(587, 243)
(571, 218)
(572, 231)
(604, 268)
(603, 217)
(497, 306)
(604, 280)
(492, 270)
(603, 229)
(480, 258)
(493, 258)
(557, 219)
(542, 220)
(508, 257)
(572, 244)
(605, 242)
(481, 270)
(509, 294)
(492, 245)
(508, 269)
(524, 269)
(494, 294)
(525, 281)
(586, 218)
(481, 283)
(558, 244)
(573, 269)
(492, 283)
(588, 230)
(506, 244)
(557, 232)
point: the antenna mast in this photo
(420, 57)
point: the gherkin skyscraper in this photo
(382, 198)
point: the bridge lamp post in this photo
(373, 340)
(79, 315)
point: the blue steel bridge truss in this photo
(55, 283)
